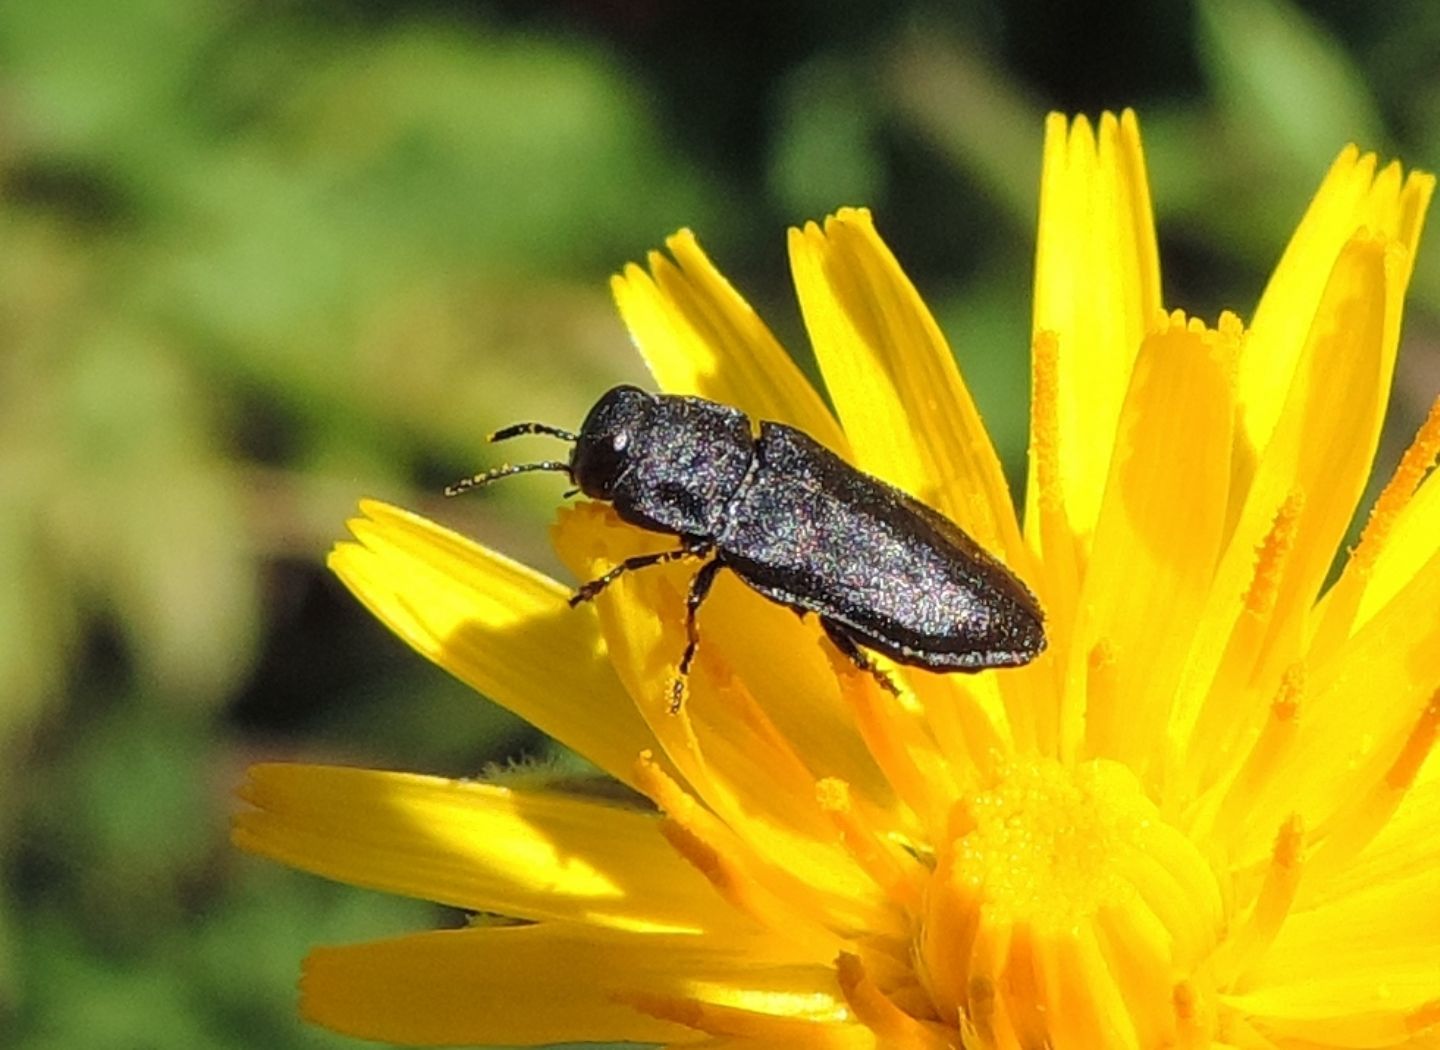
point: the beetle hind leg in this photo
(699, 588)
(843, 641)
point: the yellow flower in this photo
(1204, 817)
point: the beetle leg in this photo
(639, 561)
(847, 645)
(699, 588)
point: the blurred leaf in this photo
(36, 627)
(129, 810)
(346, 252)
(95, 79)
(1287, 84)
(960, 101)
(147, 517)
(825, 152)
(501, 150)
(127, 1002)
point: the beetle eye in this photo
(599, 460)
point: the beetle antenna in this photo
(466, 484)
(516, 429)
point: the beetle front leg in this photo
(639, 561)
(699, 588)
(847, 645)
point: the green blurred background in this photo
(262, 259)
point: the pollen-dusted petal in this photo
(1350, 198)
(1097, 289)
(1325, 437)
(1330, 423)
(1400, 536)
(1364, 705)
(1047, 525)
(1379, 915)
(699, 336)
(1219, 697)
(744, 879)
(482, 847)
(1316, 463)
(500, 627)
(553, 983)
(894, 381)
(1158, 536)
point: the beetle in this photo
(799, 525)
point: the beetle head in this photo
(609, 438)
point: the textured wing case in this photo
(905, 580)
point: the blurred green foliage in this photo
(261, 260)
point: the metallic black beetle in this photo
(799, 525)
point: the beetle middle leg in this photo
(847, 645)
(699, 588)
(639, 561)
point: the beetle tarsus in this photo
(699, 588)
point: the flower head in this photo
(1206, 816)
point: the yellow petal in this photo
(498, 626)
(1097, 291)
(906, 410)
(1310, 476)
(1406, 849)
(699, 336)
(1157, 539)
(1351, 197)
(552, 983)
(1414, 542)
(1400, 535)
(482, 847)
(1360, 971)
(1364, 703)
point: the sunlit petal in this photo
(498, 626)
(529, 854)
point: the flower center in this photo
(1045, 845)
(1064, 911)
